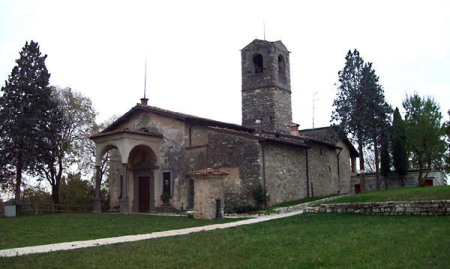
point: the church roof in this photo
(263, 43)
(325, 136)
(176, 115)
(330, 134)
(126, 131)
(264, 137)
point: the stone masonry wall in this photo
(271, 105)
(240, 156)
(207, 192)
(285, 173)
(394, 181)
(323, 171)
(434, 207)
(345, 186)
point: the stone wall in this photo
(434, 207)
(304, 206)
(394, 181)
(285, 172)
(209, 193)
(271, 105)
(323, 171)
(344, 176)
(241, 157)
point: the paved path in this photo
(131, 238)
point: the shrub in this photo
(260, 196)
(165, 198)
(242, 208)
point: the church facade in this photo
(156, 154)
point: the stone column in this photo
(209, 197)
(98, 180)
(124, 207)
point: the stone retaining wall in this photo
(303, 206)
(433, 207)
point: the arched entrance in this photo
(142, 166)
(107, 158)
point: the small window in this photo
(258, 63)
(166, 183)
(281, 65)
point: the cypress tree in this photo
(376, 113)
(349, 105)
(29, 117)
(398, 144)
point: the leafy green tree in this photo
(447, 156)
(424, 133)
(7, 179)
(29, 118)
(79, 117)
(398, 145)
(75, 191)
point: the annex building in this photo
(161, 157)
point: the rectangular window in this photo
(166, 183)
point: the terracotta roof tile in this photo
(208, 172)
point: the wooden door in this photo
(144, 194)
(357, 188)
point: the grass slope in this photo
(401, 194)
(46, 229)
(305, 241)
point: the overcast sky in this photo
(193, 49)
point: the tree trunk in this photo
(377, 167)
(420, 179)
(402, 179)
(55, 194)
(362, 175)
(19, 168)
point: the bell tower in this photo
(266, 86)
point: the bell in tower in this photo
(266, 86)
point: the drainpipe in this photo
(339, 170)
(307, 173)
(264, 171)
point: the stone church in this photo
(157, 153)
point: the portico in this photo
(138, 177)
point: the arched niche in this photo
(258, 63)
(144, 175)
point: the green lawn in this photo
(32, 230)
(304, 241)
(402, 194)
